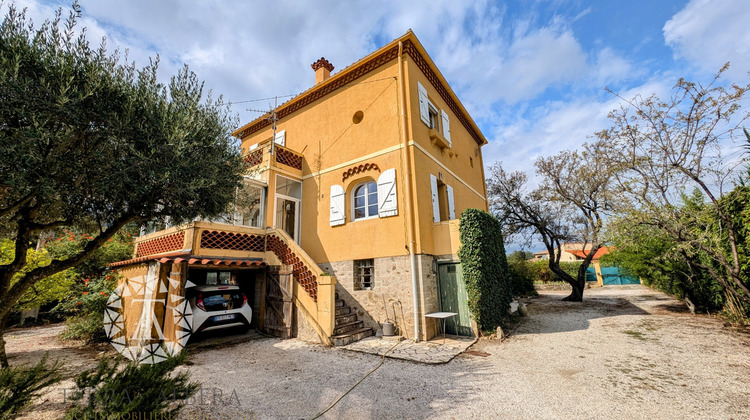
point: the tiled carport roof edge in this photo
(192, 259)
(148, 258)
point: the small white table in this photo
(442, 316)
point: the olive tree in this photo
(568, 205)
(87, 142)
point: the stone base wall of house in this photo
(391, 296)
(302, 329)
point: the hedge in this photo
(538, 271)
(489, 283)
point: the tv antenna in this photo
(273, 117)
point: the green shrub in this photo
(49, 289)
(19, 385)
(523, 281)
(489, 283)
(522, 285)
(649, 255)
(85, 306)
(65, 288)
(109, 390)
(570, 267)
(538, 271)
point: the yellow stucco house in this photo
(349, 216)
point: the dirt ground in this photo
(29, 345)
(625, 352)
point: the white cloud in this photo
(560, 125)
(546, 131)
(610, 67)
(259, 49)
(495, 62)
(708, 33)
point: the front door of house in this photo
(453, 298)
(287, 206)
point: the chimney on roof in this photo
(323, 69)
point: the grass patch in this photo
(649, 325)
(635, 334)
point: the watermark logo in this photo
(165, 317)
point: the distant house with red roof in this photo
(572, 251)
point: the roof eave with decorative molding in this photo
(411, 47)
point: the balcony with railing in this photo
(210, 243)
(283, 158)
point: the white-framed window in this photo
(249, 204)
(288, 205)
(364, 274)
(246, 210)
(434, 117)
(443, 205)
(288, 187)
(365, 200)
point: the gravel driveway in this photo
(625, 352)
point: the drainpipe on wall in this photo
(409, 193)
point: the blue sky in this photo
(531, 73)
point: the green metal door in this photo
(453, 298)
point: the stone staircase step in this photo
(344, 310)
(345, 319)
(351, 336)
(350, 326)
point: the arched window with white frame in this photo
(365, 200)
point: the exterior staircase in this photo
(348, 328)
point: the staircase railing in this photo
(314, 292)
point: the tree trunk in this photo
(576, 295)
(577, 283)
(690, 305)
(3, 356)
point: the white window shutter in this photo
(424, 111)
(451, 203)
(446, 126)
(435, 202)
(280, 138)
(387, 203)
(337, 205)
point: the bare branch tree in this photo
(664, 148)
